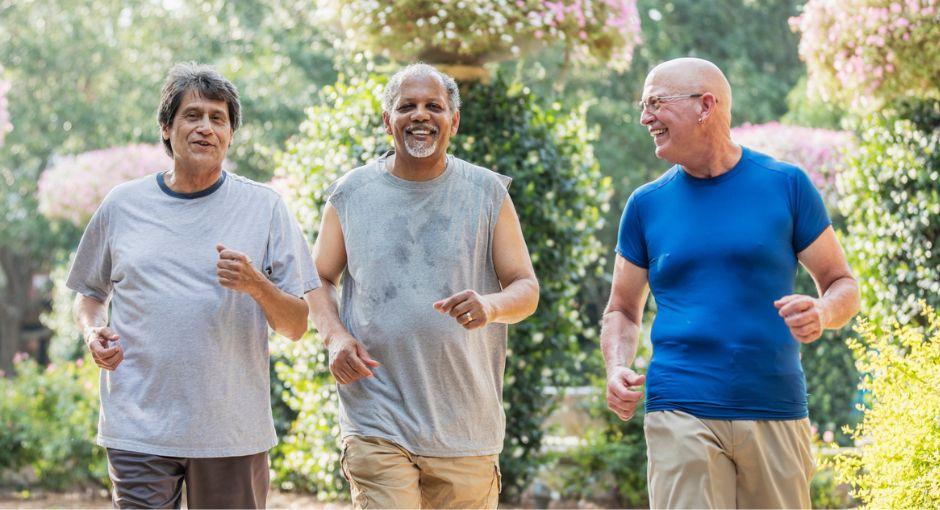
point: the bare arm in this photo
(349, 360)
(285, 313)
(838, 299)
(92, 317)
(519, 296)
(620, 331)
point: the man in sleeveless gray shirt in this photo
(434, 266)
(196, 264)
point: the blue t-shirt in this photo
(719, 252)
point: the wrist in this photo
(825, 314)
(489, 308)
(260, 288)
(90, 333)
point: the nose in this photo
(420, 114)
(646, 118)
(205, 125)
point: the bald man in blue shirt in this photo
(717, 239)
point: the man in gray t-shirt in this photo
(433, 266)
(196, 264)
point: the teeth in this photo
(657, 132)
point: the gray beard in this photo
(418, 149)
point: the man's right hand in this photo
(620, 398)
(97, 339)
(349, 360)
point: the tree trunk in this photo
(14, 303)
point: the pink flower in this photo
(20, 357)
(73, 187)
(828, 436)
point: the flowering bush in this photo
(817, 151)
(890, 189)
(858, 50)
(473, 32)
(73, 187)
(5, 125)
(898, 464)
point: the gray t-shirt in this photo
(409, 244)
(195, 377)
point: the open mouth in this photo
(202, 143)
(657, 132)
(421, 131)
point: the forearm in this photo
(619, 338)
(515, 302)
(841, 302)
(324, 312)
(89, 312)
(286, 314)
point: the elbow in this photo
(532, 298)
(856, 298)
(296, 332)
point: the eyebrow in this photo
(195, 108)
(415, 100)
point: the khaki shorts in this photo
(698, 463)
(382, 474)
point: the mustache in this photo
(426, 127)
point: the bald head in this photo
(694, 75)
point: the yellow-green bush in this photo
(898, 462)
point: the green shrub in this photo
(560, 197)
(898, 464)
(49, 419)
(826, 492)
(890, 192)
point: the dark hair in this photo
(205, 81)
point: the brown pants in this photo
(698, 463)
(382, 474)
(142, 480)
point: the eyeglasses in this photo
(653, 103)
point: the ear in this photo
(387, 122)
(709, 106)
(165, 132)
(455, 123)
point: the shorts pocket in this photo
(499, 479)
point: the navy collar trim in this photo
(189, 196)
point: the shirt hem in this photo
(169, 451)
(423, 452)
(734, 416)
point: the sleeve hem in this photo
(813, 238)
(633, 260)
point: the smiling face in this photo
(674, 126)
(420, 120)
(200, 133)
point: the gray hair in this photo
(393, 88)
(205, 81)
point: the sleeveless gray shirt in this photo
(409, 244)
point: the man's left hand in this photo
(468, 308)
(235, 272)
(805, 316)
